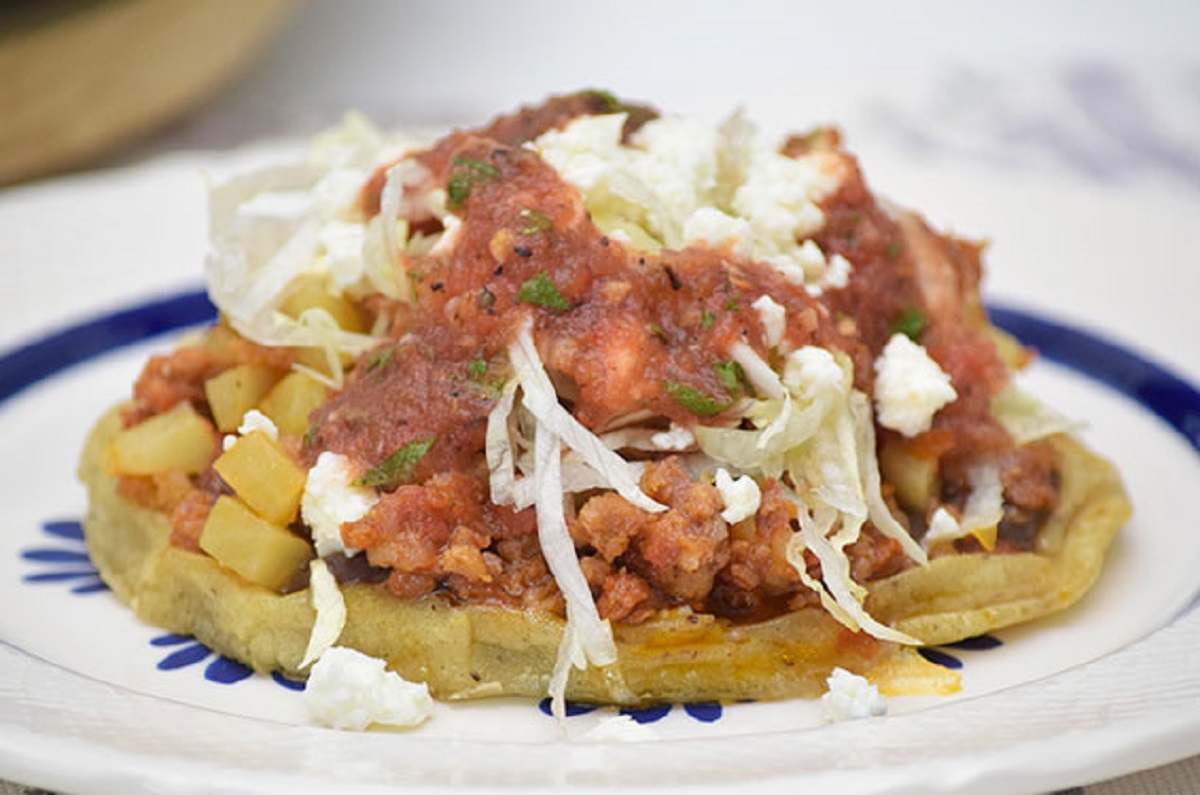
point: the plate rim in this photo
(1113, 364)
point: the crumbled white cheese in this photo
(254, 420)
(675, 439)
(851, 697)
(773, 317)
(350, 690)
(942, 527)
(909, 387)
(741, 496)
(810, 371)
(711, 226)
(811, 258)
(330, 500)
(837, 274)
(620, 729)
(327, 601)
(665, 183)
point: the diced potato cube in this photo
(262, 474)
(237, 390)
(914, 478)
(318, 360)
(177, 440)
(290, 402)
(261, 552)
(311, 292)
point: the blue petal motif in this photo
(941, 658)
(65, 565)
(290, 684)
(68, 529)
(647, 714)
(58, 576)
(573, 708)
(977, 643)
(704, 711)
(170, 640)
(181, 658)
(226, 671)
(51, 555)
(96, 586)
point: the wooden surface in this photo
(81, 78)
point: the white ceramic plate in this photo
(92, 699)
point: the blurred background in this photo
(1031, 123)
(1110, 90)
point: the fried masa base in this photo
(478, 651)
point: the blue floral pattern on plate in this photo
(185, 651)
(67, 562)
(703, 711)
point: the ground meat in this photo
(759, 560)
(680, 550)
(447, 533)
(625, 597)
(188, 518)
(170, 379)
(174, 494)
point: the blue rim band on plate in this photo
(1167, 395)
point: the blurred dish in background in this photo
(83, 77)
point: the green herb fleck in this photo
(657, 330)
(893, 250)
(535, 222)
(476, 369)
(731, 305)
(458, 188)
(693, 399)
(397, 468)
(606, 99)
(730, 374)
(707, 319)
(467, 173)
(910, 323)
(380, 359)
(541, 291)
(310, 435)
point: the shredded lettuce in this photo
(270, 226)
(1026, 418)
(330, 607)
(868, 464)
(539, 397)
(498, 446)
(835, 573)
(586, 638)
(981, 515)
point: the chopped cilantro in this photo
(657, 330)
(476, 369)
(535, 221)
(729, 373)
(707, 319)
(731, 305)
(380, 359)
(893, 250)
(606, 99)
(540, 291)
(910, 323)
(467, 173)
(310, 435)
(397, 468)
(693, 399)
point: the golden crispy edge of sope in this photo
(467, 652)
